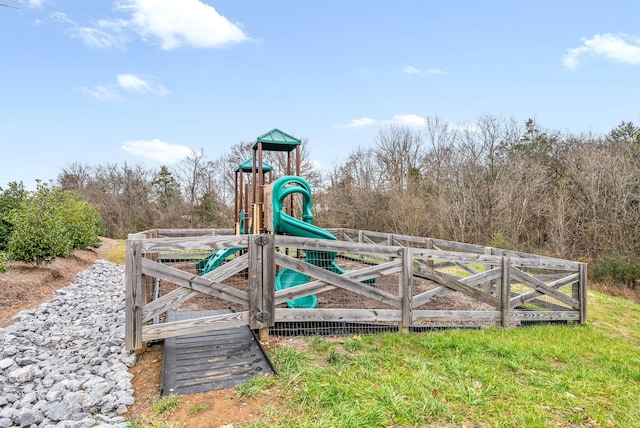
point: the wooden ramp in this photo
(214, 360)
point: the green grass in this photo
(542, 376)
(166, 404)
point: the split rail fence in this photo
(389, 278)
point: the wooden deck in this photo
(212, 360)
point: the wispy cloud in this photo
(411, 70)
(621, 48)
(127, 84)
(171, 24)
(412, 120)
(157, 150)
(134, 83)
(32, 4)
(358, 123)
(102, 93)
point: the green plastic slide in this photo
(283, 223)
(214, 260)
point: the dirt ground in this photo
(24, 286)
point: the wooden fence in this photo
(510, 286)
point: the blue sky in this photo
(147, 81)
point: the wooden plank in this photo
(316, 287)
(406, 291)
(582, 291)
(475, 280)
(255, 281)
(505, 290)
(453, 283)
(134, 293)
(452, 256)
(335, 246)
(182, 294)
(521, 259)
(482, 277)
(195, 232)
(455, 315)
(544, 316)
(530, 295)
(346, 315)
(544, 288)
(192, 326)
(212, 243)
(341, 281)
(195, 282)
(268, 285)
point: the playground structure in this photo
(334, 275)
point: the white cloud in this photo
(133, 83)
(413, 71)
(188, 22)
(621, 48)
(33, 4)
(157, 150)
(128, 83)
(102, 93)
(359, 123)
(173, 24)
(412, 120)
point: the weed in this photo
(166, 404)
(197, 408)
(254, 386)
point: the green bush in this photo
(617, 268)
(52, 223)
(4, 258)
(10, 200)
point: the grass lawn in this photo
(542, 376)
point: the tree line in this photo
(496, 182)
(196, 193)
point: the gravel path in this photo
(64, 364)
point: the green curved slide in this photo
(283, 223)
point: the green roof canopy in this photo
(246, 166)
(277, 141)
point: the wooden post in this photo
(406, 291)
(579, 292)
(134, 293)
(429, 246)
(360, 239)
(390, 243)
(489, 285)
(149, 282)
(261, 283)
(505, 292)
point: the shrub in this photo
(617, 268)
(10, 200)
(51, 223)
(4, 258)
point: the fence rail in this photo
(385, 278)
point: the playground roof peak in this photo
(277, 141)
(247, 165)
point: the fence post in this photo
(579, 292)
(390, 243)
(505, 292)
(429, 246)
(149, 281)
(406, 290)
(489, 285)
(134, 293)
(261, 283)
